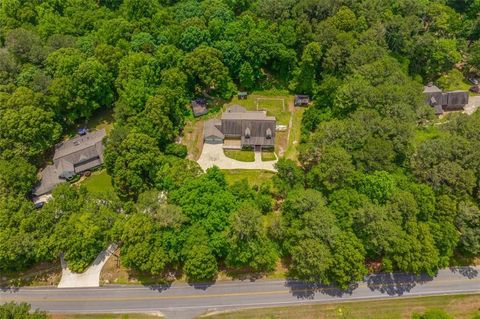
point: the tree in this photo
(205, 67)
(200, 263)
(248, 243)
(89, 88)
(133, 163)
(20, 311)
(27, 132)
(333, 171)
(17, 176)
(378, 186)
(289, 175)
(468, 222)
(246, 76)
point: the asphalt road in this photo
(187, 301)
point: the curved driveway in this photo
(186, 301)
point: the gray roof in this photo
(247, 115)
(457, 99)
(78, 143)
(236, 109)
(431, 89)
(212, 128)
(73, 156)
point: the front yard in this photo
(240, 155)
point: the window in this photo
(269, 134)
(247, 132)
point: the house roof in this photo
(457, 99)
(212, 129)
(73, 156)
(236, 109)
(431, 89)
(79, 144)
(247, 115)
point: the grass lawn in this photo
(254, 177)
(427, 133)
(295, 134)
(268, 156)
(99, 183)
(458, 306)
(240, 155)
(102, 118)
(105, 316)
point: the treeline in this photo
(369, 190)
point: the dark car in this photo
(82, 131)
(39, 205)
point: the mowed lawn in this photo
(459, 307)
(99, 183)
(105, 316)
(254, 177)
(240, 155)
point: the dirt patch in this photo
(193, 139)
(42, 274)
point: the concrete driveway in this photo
(212, 155)
(89, 278)
(473, 104)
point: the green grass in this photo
(427, 133)
(295, 135)
(254, 177)
(458, 306)
(240, 155)
(105, 316)
(275, 104)
(99, 183)
(268, 156)
(102, 118)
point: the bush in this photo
(178, 150)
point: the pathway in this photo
(89, 278)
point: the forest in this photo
(380, 183)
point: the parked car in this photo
(82, 131)
(39, 205)
(473, 81)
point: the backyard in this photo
(98, 183)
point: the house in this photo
(242, 95)
(444, 101)
(199, 107)
(72, 157)
(254, 129)
(302, 100)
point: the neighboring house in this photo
(72, 157)
(301, 100)
(199, 107)
(252, 128)
(442, 102)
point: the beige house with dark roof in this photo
(72, 157)
(253, 128)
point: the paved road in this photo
(185, 301)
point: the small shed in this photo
(242, 95)
(199, 107)
(302, 100)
